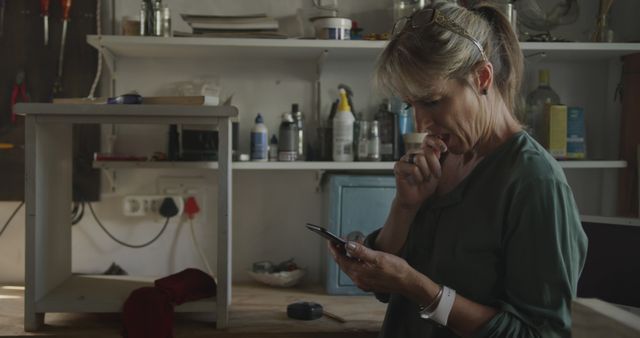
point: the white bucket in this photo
(332, 28)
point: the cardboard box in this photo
(576, 134)
(556, 118)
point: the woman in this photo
(483, 237)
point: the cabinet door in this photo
(358, 205)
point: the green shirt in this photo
(508, 236)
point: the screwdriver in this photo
(2, 4)
(66, 8)
(44, 11)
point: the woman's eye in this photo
(407, 106)
(430, 103)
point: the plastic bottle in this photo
(387, 130)
(143, 18)
(536, 101)
(273, 148)
(373, 142)
(343, 131)
(259, 136)
(363, 140)
(299, 120)
(287, 139)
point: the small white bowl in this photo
(282, 279)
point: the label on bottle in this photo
(343, 141)
(363, 149)
(259, 147)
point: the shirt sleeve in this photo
(544, 252)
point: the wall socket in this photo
(144, 205)
(186, 187)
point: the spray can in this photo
(259, 135)
(287, 141)
(299, 120)
(343, 131)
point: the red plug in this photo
(191, 207)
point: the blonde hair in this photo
(415, 57)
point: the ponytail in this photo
(506, 55)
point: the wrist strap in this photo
(442, 311)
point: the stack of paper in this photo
(259, 25)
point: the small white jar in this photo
(330, 28)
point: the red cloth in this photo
(188, 285)
(148, 312)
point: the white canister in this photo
(332, 28)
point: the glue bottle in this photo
(259, 146)
(343, 131)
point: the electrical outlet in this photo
(185, 187)
(143, 205)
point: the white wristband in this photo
(441, 313)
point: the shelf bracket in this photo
(319, 179)
(109, 60)
(110, 175)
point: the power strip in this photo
(148, 205)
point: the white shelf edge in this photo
(105, 293)
(611, 220)
(586, 164)
(308, 49)
(311, 165)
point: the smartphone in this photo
(327, 234)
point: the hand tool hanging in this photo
(66, 8)
(44, 11)
(19, 91)
(2, 5)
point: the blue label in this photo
(259, 146)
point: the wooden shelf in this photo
(309, 50)
(349, 166)
(98, 293)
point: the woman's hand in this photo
(417, 173)
(372, 270)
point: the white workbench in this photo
(50, 284)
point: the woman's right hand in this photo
(418, 172)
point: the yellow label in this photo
(557, 123)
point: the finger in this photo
(435, 143)
(361, 252)
(430, 164)
(408, 170)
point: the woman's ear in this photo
(484, 77)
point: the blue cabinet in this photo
(357, 205)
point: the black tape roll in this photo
(304, 310)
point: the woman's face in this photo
(451, 112)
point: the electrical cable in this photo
(77, 213)
(198, 248)
(133, 246)
(99, 33)
(11, 218)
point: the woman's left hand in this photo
(374, 271)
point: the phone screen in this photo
(326, 234)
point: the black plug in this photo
(168, 208)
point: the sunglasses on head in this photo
(431, 15)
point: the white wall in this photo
(270, 207)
